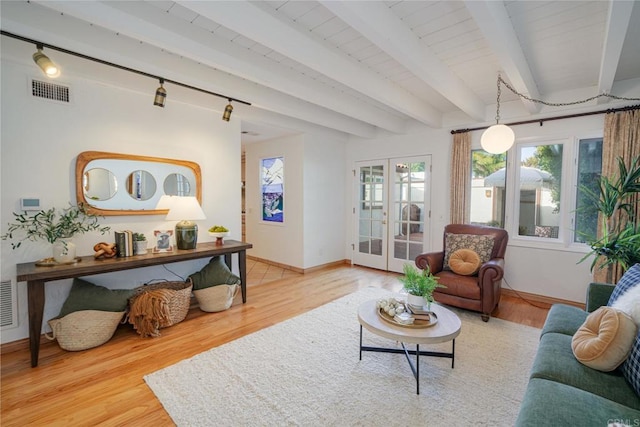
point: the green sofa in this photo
(564, 392)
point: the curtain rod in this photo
(548, 119)
(121, 67)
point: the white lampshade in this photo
(165, 202)
(185, 208)
(497, 139)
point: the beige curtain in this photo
(460, 178)
(621, 139)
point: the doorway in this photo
(392, 211)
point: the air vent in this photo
(51, 91)
(8, 310)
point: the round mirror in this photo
(99, 184)
(141, 185)
(177, 184)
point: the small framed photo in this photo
(163, 241)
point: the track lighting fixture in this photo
(46, 65)
(161, 95)
(227, 112)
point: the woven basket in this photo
(84, 329)
(170, 307)
(216, 298)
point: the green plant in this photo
(419, 282)
(620, 241)
(51, 225)
(139, 237)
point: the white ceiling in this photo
(359, 68)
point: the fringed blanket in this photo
(150, 311)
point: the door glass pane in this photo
(370, 212)
(408, 210)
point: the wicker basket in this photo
(216, 298)
(84, 329)
(159, 305)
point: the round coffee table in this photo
(447, 328)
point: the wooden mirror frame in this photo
(86, 157)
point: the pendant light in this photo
(161, 95)
(497, 138)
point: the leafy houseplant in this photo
(419, 283)
(52, 226)
(139, 244)
(620, 241)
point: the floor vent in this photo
(8, 309)
(51, 91)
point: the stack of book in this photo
(418, 312)
(124, 243)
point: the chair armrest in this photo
(433, 260)
(492, 269)
(598, 295)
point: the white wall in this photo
(41, 139)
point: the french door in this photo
(392, 211)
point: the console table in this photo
(36, 277)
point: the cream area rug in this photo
(306, 372)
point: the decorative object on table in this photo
(159, 305)
(219, 232)
(124, 243)
(272, 189)
(104, 250)
(614, 200)
(163, 241)
(399, 313)
(56, 228)
(139, 244)
(419, 285)
(84, 329)
(186, 210)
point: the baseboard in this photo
(540, 298)
(297, 269)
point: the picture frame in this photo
(163, 241)
(272, 190)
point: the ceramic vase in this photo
(64, 251)
(416, 300)
(140, 247)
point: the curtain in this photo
(460, 178)
(621, 139)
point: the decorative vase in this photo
(64, 251)
(140, 247)
(416, 300)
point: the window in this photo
(488, 188)
(589, 171)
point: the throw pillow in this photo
(605, 339)
(480, 244)
(631, 368)
(88, 296)
(629, 279)
(464, 262)
(629, 302)
(212, 274)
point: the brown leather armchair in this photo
(479, 292)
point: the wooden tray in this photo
(417, 324)
(50, 262)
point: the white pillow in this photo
(629, 302)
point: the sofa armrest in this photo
(433, 260)
(598, 295)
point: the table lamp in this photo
(186, 210)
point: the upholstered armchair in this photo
(478, 287)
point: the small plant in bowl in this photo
(218, 231)
(139, 244)
(419, 284)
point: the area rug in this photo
(306, 372)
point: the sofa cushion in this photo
(629, 279)
(555, 361)
(629, 302)
(564, 319)
(85, 295)
(464, 262)
(631, 367)
(604, 341)
(480, 244)
(549, 404)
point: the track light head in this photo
(227, 112)
(161, 95)
(46, 65)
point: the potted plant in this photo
(613, 200)
(419, 285)
(56, 227)
(139, 244)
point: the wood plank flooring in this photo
(105, 386)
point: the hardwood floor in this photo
(105, 386)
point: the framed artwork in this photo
(272, 189)
(163, 241)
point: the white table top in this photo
(446, 329)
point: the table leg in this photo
(417, 368)
(35, 297)
(242, 262)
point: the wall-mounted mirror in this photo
(123, 184)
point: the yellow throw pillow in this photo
(604, 340)
(464, 262)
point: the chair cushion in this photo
(480, 244)
(464, 262)
(604, 341)
(461, 286)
